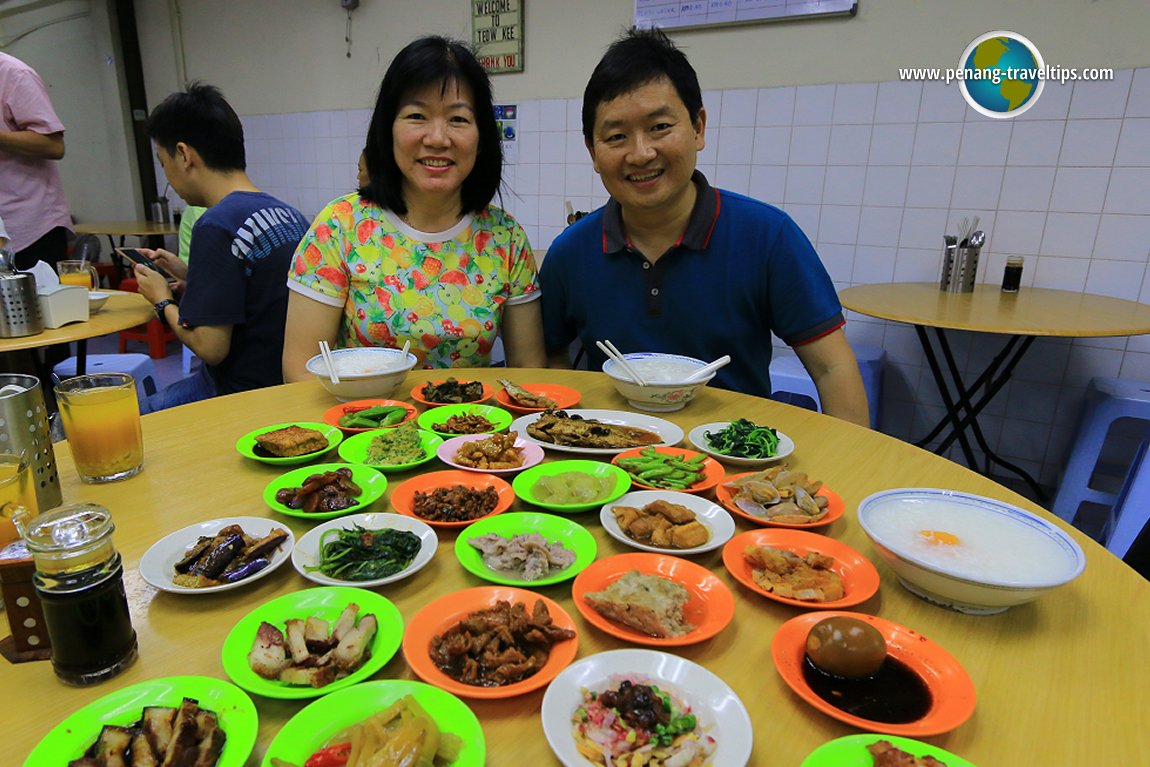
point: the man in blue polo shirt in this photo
(672, 264)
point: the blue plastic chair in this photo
(790, 382)
(139, 366)
(1131, 510)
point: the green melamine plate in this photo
(850, 751)
(319, 721)
(325, 602)
(524, 483)
(237, 716)
(371, 482)
(498, 417)
(555, 529)
(354, 450)
(245, 445)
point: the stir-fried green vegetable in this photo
(363, 555)
(743, 439)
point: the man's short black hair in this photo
(423, 62)
(640, 57)
(201, 118)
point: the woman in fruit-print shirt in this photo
(419, 253)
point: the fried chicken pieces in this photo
(498, 645)
(808, 578)
(663, 524)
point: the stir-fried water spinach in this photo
(744, 439)
(363, 555)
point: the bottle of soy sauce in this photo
(79, 580)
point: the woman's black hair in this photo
(640, 57)
(427, 61)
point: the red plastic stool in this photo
(154, 333)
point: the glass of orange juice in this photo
(17, 496)
(78, 273)
(102, 421)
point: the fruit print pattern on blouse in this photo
(445, 296)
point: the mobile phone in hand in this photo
(137, 257)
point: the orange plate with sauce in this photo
(713, 471)
(860, 578)
(438, 616)
(333, 415)
(951, 689)
(564, 397)
(835, 506)
(417, 394)
(709, 608)
(403, 496)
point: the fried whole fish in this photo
(560, 428)
(524, 398)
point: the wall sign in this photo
(682, 14)
(497, 33)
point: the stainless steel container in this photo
(965, 270)
(19, 304)
(24, 429)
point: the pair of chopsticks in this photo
(325, 351)
(609, 349)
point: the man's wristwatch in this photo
(162, 305)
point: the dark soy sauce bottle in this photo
(79, 581)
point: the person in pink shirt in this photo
(32, 201)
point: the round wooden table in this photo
(1023, 316)
(1060, 681)
(123, 310)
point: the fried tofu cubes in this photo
(291, 441)
(662, 524)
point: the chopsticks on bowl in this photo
(325, 351)
(609, 349)
(707, 369)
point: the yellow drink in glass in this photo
(78, 273)
(17, 496)
(102, 420)
(77, 278)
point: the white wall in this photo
(70, 46)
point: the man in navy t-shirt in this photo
(234, 304)
(671, 264)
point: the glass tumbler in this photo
(101, 416)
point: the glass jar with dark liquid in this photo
(79, 580)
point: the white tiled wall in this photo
(875, 173)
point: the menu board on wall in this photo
(497, 33)
(682, 14)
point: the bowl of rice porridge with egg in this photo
(364, 372)
(966, 552)
(665, 374)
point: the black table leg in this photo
(962, 410)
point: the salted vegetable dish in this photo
(452, 391)
(744, 439)
(573, 487)
(359, 554)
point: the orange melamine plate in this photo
(403, 496)
(417, 394)
(835, 506)
(709, 608)
(332, 415)
(860, 578)
(713, 471)
(443, 613)
(564, 397)
(951, 689)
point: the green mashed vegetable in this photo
(396, 446)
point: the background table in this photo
(1060, 681)
(1024, 316)
(122, 311)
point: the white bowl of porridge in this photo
(966, 552)
(664, 374)
(365, 372)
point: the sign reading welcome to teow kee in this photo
(497, 32)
